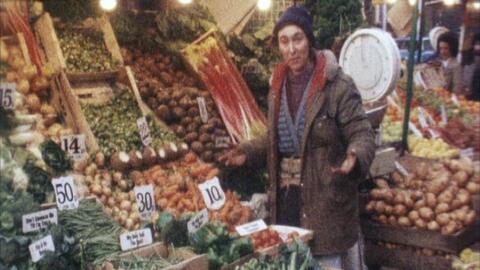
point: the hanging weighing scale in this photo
(371, 57)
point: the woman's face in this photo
(444, 49)
(294, 47)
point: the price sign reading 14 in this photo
(7, 95)
(145, 200)
(212, 193)
(65, 192)
(74, 145)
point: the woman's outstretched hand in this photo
(348, 164)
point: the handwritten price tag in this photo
(136, 239)
(40, 247)
(145, 200)
(468, 152)
(75, 146)
(415, 130)
(444, 114)
(198, 221)
(203, 109)
(212, 193)
(7, 95)
(144, 131)
(39, 220)
(222, 142)
(252, 227)
(65, 193)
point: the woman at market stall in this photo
(319, 144)
(447, 47)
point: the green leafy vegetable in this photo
(55, 157)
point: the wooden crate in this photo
(87, 92)
(421, 238)
(191, 260)
(403, 259)
(304, 235)
(44, 27)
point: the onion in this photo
(433, 226)
(129, 224)
(96, 189)
(3, 52)
(23, 87)
(126, 205)
(473, 188)
(28, 72)
(111, 202)
(107, 191)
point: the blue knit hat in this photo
(296, 15)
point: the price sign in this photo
(40, 247)
(39, 220)
(212, 193)
(252, 227)
(198, 221)
(75, 146)
(401, 169)
(443, 112)
(421, 118)
(222, 142)
(455, 100)
(7, 95)
(144, 131)
(202, 107)
(415, 130)
(145, 201)
(65, 193)
(467, 152)
(136, 239)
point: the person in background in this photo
(318, 148)
(471, 66)
(447, 48)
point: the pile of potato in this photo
(436, 196)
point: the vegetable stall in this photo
(112, 123)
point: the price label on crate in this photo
(415, 130)
(202, 107)
(65, 193)
(136, 239)
(421, 118)
(145, 201)
(212, 193)
(39, 220)
(467, 152)
(252, 227)
(7, 95)
(40, 247)
(75, 146)
(455, 100)
(443, 112)
(401, 169)
(222, 142)
(198, 221)
(144, 131)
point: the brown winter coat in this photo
(335, 122)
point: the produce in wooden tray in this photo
(176, 190)
(172, 95)
(472, 107)
(467, 260)
(240, 113)
(266, 238)
(435, 196)
(431, 148)
(114, 124)
(85, 51)
(416, 250)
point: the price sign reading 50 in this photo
(213, 194)
(65, 192)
